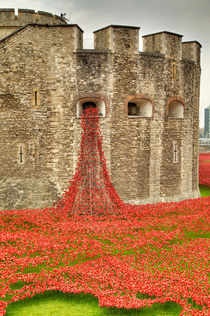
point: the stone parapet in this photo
(191, 50)
(9, 22)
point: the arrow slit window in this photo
(36, 98)
(175, 152)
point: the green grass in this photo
(54, 303)
(204, 191)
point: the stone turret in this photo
(117, 38)
(167, 43)
(9, 22)
(191, 51)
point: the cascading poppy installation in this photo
(91, 191)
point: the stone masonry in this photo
(148, 103)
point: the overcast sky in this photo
(190, 18)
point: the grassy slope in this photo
(56, 303)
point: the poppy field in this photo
(90, 241)
(151, 254)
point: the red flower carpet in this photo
(92, 242)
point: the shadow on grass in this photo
(53, 303)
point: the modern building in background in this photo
(207, 122)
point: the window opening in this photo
(132, 108)
(141, 107)
(176, 109)
(35, 98)
(88, 105)
(21, 154)
(175, 152)
(88, 102)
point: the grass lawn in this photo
(204, 191)
(63, 304)
(171, 235)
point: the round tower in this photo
(9, 22)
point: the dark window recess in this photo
(88, 105)
(174, 71)
(133, 109)
(35, 98)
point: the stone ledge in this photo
(139, 117)
(81, 51)
(178, 198)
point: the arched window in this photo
(140, 107)
(85, 103)
(175, 109)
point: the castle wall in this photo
(150, 158)
(147, 156)
(125, 155)
(132, 136)
(181, 79)
(27, 64)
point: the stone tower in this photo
(9, 22)
(148, 103)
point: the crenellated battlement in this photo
(25, 16)
(115, 38)
(9, 22)
(171, 45)
(121, 38)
